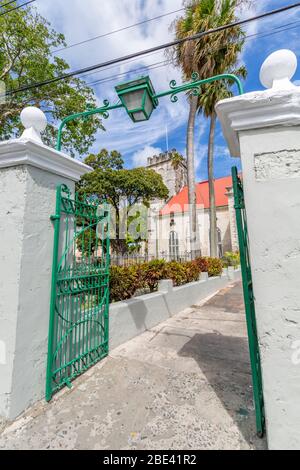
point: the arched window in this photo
(174, 246)
(220, 244)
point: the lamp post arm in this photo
(103, 110)
(195, 84)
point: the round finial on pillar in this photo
(34, 121)
(278, 70)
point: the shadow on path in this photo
(221, 359)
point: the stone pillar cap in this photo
(279, 105)
(34, 121)
(30, 150)
(278, 69)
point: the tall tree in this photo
(123, 189)
(210, 95)
(208, 56)
(26, 44)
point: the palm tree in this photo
(210, 95)
(208, 56)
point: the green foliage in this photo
(192, 271)
(87, 242)
(123, 189)
(212, 266)
(152, 273)
(105, 160)
(202, 264)
(215, 267)
(213, 54)
(182, 273)
(176, 159)
(126, 281)
(26, 44)
(231, 259)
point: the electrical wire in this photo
(117, 31)
(281, 29)
(17, 7)
(8, 3)
(163, 63)
(153, 49)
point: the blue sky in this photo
(80, 20)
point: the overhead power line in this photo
(8, 3)
(117, 31)
(164, 63)
(17, 7)
(153, 49)
(116, 66)
(158, 65)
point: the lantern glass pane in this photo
(148, 105)
(139, 116)
(134, 99)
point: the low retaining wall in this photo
(132, 317)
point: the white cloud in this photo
(141, 156)
(77, 22)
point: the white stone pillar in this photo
(263, 128)
(29, 175)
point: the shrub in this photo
(212, 266)
(202, 264)
(177, 272)
(193, 271)
(231, 259)
(124, 282)
(215, 267)
(151, 273)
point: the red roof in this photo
(179, 202)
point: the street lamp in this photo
(138, 98)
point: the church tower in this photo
(173, 170)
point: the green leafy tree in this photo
(26, 42)
(211, 55)
(123, 189)
(176, 159)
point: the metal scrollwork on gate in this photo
(78, 330)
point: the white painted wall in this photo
(12, 209)
(273, 212)
(182, 228)
(264, 129)
(29, 175)
(27, 199)
(132, 317)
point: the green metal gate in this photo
(78, 328)
(249, 301)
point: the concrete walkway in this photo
(185, 384)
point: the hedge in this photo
(231, 259)
(126, 281)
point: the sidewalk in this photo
(186, 384)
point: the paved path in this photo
(185, 384)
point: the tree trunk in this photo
(213, 237)
(195, 248)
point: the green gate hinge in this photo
(54, 217)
